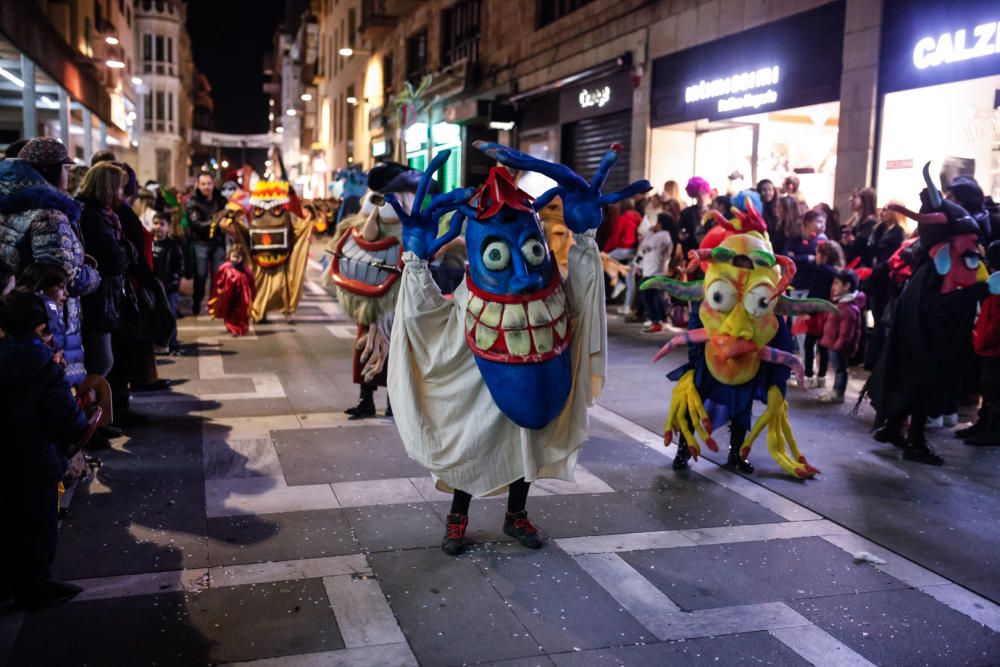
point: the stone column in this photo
(64, 102)
(88, 134)
(858, 101)
(29, 120)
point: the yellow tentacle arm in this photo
(687, 415)
(779, 437)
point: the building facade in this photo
(68, 71)
(735, 91)
(166, 76)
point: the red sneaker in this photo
(655, 327)
(454, 538)
(519, 526)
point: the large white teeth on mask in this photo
(556, 303)
(538, 314)
(518, 342)
(475, 305)
(561, 327)
(485, 337)
(543, 339)
(513, 316)
(491, 314)
(470, 322)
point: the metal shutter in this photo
(584, 143)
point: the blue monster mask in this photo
(516, 322)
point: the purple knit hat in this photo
(696, 186)
(44, 151)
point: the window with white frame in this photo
(159, 111)
(158, 54)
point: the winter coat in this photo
(200, 211)
(102, 235)
(884, 242)
(168, 263)
(39, 223)
(70, 344)
(623, 232)
(842, 332)
(802, 249)
(860, 249)
(986, 335)
(40, 416)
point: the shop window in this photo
(349, 123)
(352, 21)
(416, 56)
(163, 164)
(460, 32)
(160, 115)
(147, 105)
(550, 11)
(147, 53)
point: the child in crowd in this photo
(655, 251)
(842, 332)
(49, 282)
(829, 261)
(168, 266)
(233, 293)
(43, 425)
(986, 341)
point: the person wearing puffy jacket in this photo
(842, 332)
(985, 432)
(43, 425)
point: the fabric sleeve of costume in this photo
(585, 292)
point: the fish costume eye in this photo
(496, 255)
(758, 301)
(533, 251)
(721, 296)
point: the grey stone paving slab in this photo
(349, 454)
(699, 503)
(623, 463)
(560, 604)
(727, 575)
(387, 527)
(752, 648)
(537, 661)
(247, 407)
(903, 627)
(598, 514)
(448, 610)
(278, 537)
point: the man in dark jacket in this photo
(208, 240)
(43, 424)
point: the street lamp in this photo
(113, 41)
(136, 81)
(115, 64)
(348, 51)
(306, 97)
(291, 112)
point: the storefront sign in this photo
(790, 63)
(952, 47)
(928, 42)
(596, 97)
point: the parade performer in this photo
(232, 293)
(739, 349)
(366, 260)
(929, 340)
(491, 387)
(276, 242)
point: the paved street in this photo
(251, 523)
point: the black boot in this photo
(454, 538)
(366, 404)
(891, 434)
(736, 438)
(919, 450)
(682, 457)
(388, 407)
(519, 526)
(989, 434)
(975, 429)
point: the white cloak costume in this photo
(444, 411)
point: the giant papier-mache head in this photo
(517, 324)
(271, 232)
(950, 235)
(740, 295)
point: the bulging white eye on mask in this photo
(533, 251)
(758, 302)
(972, 261)
(721, 296)
(496, 255)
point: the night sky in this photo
(229, 39)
